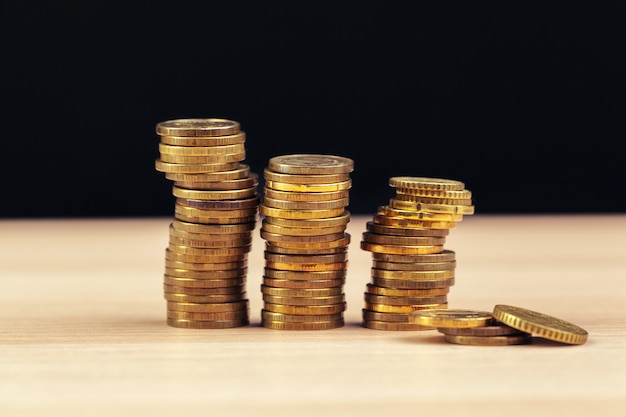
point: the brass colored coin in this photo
(413, 284)
(188, 250)
(178, 168)
(401, 249)
(452, 318)
(426, 183)
(306, 310)
(419, 215)
(403, 240)
(211, 243)
(270, 175)
(404, 301)
(301, 231)
(210, 324)
(212, 229)
(319, 196)
(300, 214)
(304, 275)
(305, 251)
(213, 298)
(296, 266)
(371, 315)
(227, 213)
(304, 283)
(433, 208)
(339, 243)
(226, 315)
(219, 186)
(188, 266)
(183, 257)
(304, 301)
(341, 220)
(204, 283)
(392, 325)
(404, 309)
(382, 229)
(431, 200)
(300, 292)
(306, 259)
(249, 206)
(207, 274)
(201, 150)
(305, 205)
(539, 324)
(420, 224)
(442, 194)
(308, 188)
(208, 307)
(204, 140)
(203, 159)
(514, 339)
(311, 164)
(214, 195)
(198, 127)
(276, 237)
(215, 220)
(309, 325)
(175, 289)
(209, 236)
(412, 275)
(418, 266)
(495, 329)
(296, 318)
(241, 171)
(446, 256)
(403, 292)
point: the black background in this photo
(524, 102)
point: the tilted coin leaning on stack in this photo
(215, 215)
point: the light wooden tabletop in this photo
(83, 333)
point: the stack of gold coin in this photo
(411, 269)
(215, 215)
(306, 244)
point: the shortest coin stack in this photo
(215, 216)
(306, 256)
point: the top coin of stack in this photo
(305, 218)
(411, 269)
(215, 215)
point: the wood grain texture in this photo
(82, 329)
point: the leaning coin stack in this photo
(411, 270)
(215, 217)
(306, 244)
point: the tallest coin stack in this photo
(215, 215)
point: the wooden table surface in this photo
(83, 333)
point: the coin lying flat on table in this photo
(458, 318)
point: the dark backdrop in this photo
(522, 101)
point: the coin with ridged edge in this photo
(513, 339)
(311, 164)
(212, 126)
(426, 183)
(452, 318)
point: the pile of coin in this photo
(304, 221)
(215, 215)
(411, 269)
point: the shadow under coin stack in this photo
(306, 243)
(411, 270)
(216, 210)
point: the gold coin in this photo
(309, 188)
(212, 229)
(212, 126)
(300, 214)
(301, 292)
(217, 252)
(300, 231)
(223, 213)
(203, 283)
(371, 315)
(183, 257)
(539, 324)
(319, 196)
(418, 266)
(209, 324)
(426, 183)
(433, 208)
(311, 164)
(413, 284)
(208, 307)
(404, 309)
(306, 259)
(382, 229)
(210, 243)
(226, 315)
(297, 266)
(393, 325)
(403, 240)
(306, 310)
(305, 205)
(403, 292)
(201, 150)
(446, 256)
(341, 220)
(514, 339)
(304, 301)
(215, 220)
(404, 222)
(305, 251)
(201, 299)
(209, 236)
(304, 178)
(452, 318)
(202, 159)
(188, 266)
(391, 300)
(296, 318)
(304, 275)
(309, 325)
(446, 194)
(207, 274)
(176, 289)
(276, 237)
(339, 243)
(412, 275)
(432, 200)
(178, 168)
(204, 140)
(249, 206)
(241, 171)
(304, 283)
(495, 329)
(419, 215)
(214, 195)
(401, 249)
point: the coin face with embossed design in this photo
(198, 127)
(311, 164)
